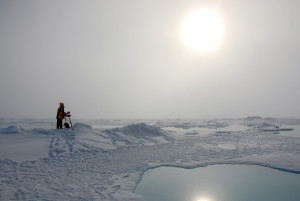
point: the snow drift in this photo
(138, 130)
(12, 130)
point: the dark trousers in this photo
(59, 123)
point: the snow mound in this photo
(140, 133)
(138, 130)
(80, 126)
(84, 138)
(12, 130)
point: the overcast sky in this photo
(125, 59)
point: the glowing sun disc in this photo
(202, 30)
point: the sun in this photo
(202, 30)
(203, 199)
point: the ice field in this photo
(105, 159)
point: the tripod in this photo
(68, 119)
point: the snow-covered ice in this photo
(105, 159)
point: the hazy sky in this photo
(126, 59)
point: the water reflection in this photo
(219, 183)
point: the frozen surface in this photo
(104, 159)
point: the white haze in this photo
(125, 59)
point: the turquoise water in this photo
(219, 183)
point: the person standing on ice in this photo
(60, 115)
